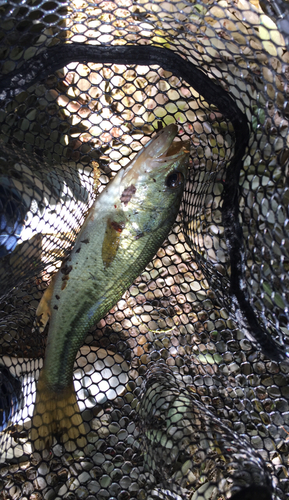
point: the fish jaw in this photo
(161, 142)
(156, 147)
(169, 156)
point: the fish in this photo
(10, 396)
(125, 227)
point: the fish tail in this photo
(56, 414)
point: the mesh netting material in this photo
(183, 386)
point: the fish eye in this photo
(175, 179)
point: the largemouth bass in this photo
(124, 229)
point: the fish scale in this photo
(122, 232)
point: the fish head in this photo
(153, 185)
(165, 185)
(155, 148)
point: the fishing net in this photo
(183, 386)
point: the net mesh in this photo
(183, 385)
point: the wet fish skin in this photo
(124, 229)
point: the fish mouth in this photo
(176, 157)
(161, 149)
(177, 148)
(161, 142)
(162, 145)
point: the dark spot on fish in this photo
(63, 285)
(67, 269)
(64, 261)
(154, 180)
(127, 194)
(116, 226)
(85, 241)
(55, 307)
(138, 236)
(57, 297)
(78, 250)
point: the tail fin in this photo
(56, 414)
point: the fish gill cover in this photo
(183, 386)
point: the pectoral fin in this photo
(43, 311)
